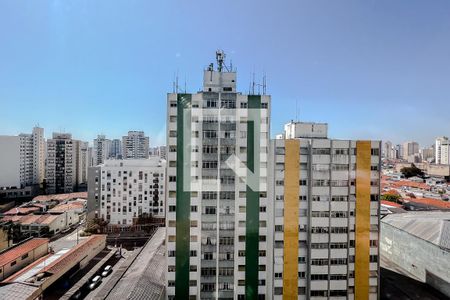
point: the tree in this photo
(391, 198)
(412, 171)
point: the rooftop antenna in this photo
(220, 58)
(253, 83)
(185, 84)
(264, 84)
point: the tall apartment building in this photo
(428, 154)
(217, 219)
(116, 149)
(399, 151)
(442, 150)
(388, 150)
(122, 190)
(325, 216)
(32, 153)
(102, 148)
(135, 145)
(81, 159)
(61, 164)
(410, 149)
(23, 160)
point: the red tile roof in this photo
(430, 202)
(74, 255)
(20, 250)
(389, 203)
(67, 206)
(22, 210)
(61, 197)
(405, 183)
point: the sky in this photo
(370, 69)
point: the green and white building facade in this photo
(217, 206)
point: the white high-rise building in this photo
(102, 148)
(61, 164)
(442, 149)
(135, 145)
(122, 190)
(325, 217)
(23, 155)
(388, 150)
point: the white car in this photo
(107, 271)
(95, 282)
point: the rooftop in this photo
(432, 226)
(145, 278)
(17, 251)
(61, 197)
(54, 264)
(427, 202)
(21, 211)
(152, 161)
(67, 206)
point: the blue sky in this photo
(371, 69)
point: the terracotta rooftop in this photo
(412, 184)
(57, 262)
(21, 211)
(389, 203)
(19, 250)
(61, 197)
(75, 254)
(436, 203)
(67, 206)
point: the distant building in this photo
(158, 151)
(442, 148)
(81, 158)
(294, 130)
(135, 145)
(101, 150)
(116, 149)
(22, 163)
(409, 149)
(388, 150)
(419, 244)
(398, 151)
(121, 190)
(61, 167)
(428, 154)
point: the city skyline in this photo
(355, 58)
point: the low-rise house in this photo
(18, 256)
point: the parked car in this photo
(95, 282)
(107, 271)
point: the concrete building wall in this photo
(94, 182)
(10, 161)
(413, 255)
(127, 189)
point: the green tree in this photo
(391, 198)
(412, 171)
